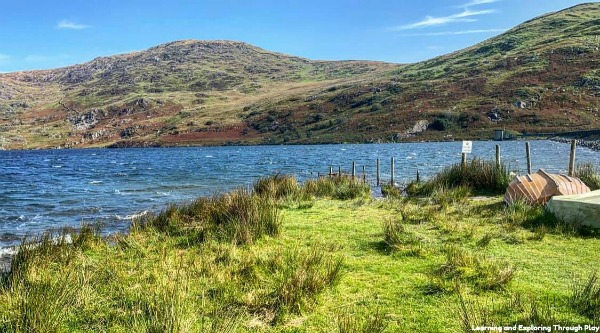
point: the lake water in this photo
(45, 189)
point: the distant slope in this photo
(542, 75)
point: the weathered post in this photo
(572, 158)
(392, 176)
(378, 176)
(418, 177)
(353, 169)
(528, 152)
(498, 156)
(364, 175)
(339, 171)
(330, 171)
(463, 160)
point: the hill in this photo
(541, 76)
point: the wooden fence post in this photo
(353, 169)
(418, 177)
(339, 171)
(392, 176)
(378, 176)
(463, 160)
(528, 152)
(364, 175)
(572, 158)
(498, 156)
(330, 171)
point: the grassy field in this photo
(317, 257)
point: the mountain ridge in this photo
(539, 76)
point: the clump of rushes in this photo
(298, 277)
(40, 300)
(390, 191)
(524, 309)
(483, 273)
(586, 297)
(483, 177)
(51, 247)
(239, 217)
(589, 174)
(472, 314)
(446, 196)
(277, 186)
(337, 187)
(362, 322)
(397, 238)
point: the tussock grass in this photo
(519, 309)
(338, 187)
(446, 196)
(362, 322)
(589, 174)
(39, 305)
(240, 217)
(586, 297)
(473, 314)
(483, 177)
(391, 191)
(277, 186)
(461, 265)
(399, 239)
(299, 276)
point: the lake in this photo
(45, 189)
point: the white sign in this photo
(467, 146)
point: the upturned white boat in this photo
(581, 208)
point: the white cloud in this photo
(476, 2)
(461, 32)
(430, 21)
(66, 24)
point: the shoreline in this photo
(266, 144)
(591, 144)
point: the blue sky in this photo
(40, 34)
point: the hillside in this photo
(540, 76)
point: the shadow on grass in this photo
(488, 210)
(379, 246)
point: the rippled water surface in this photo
(45, 189)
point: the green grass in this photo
(357, 265)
